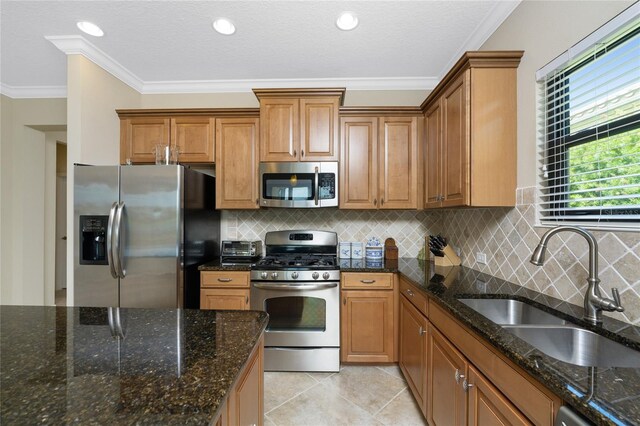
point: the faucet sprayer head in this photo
(537, 258)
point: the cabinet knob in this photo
(295, 153)
(375, 201)
(344, 300)
(302, 152)
(246, 300)
(382, 201)
(422, 331)
(409, 292)
(466, 385)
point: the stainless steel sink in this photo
(577, 346)
(511, 312)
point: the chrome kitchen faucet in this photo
(594, 302)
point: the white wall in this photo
(544, 30)
(25, 252)
(93, 128)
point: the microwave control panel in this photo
(326, 186)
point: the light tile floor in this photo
(357, 395)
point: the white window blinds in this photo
(589, 133)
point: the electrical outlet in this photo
(481, 258)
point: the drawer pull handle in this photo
(224, 280)
(367, 281)
(459, 376)
(466, 385)
(422, 331)
(409, 292)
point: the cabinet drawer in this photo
(415, 296)
(224, 279)
(369, 281)
(530, 397)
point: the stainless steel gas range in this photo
(298, 284)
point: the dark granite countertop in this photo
(64, 365)
(615, 393)
(216, 265)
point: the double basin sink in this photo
(555, 336)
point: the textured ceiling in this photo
(174, 41)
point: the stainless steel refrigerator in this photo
(142, 232)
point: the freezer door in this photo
(150, 236)
(95, 191)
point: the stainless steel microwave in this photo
(299, 185)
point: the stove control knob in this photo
(274, 275)
(294, 275)
(315, 275)
(263, 275)
(325, 275)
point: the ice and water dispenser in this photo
(93, 240)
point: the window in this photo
(589, 126)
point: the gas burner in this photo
(285, 261)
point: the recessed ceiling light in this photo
(224, 26)
(347, 21)
(90, 28)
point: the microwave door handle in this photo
(112, 215)
(317, 184)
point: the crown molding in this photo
(78, 45)
(496, 16)
(220, 86)
(30, 92)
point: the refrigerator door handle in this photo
(117, 239)
(112, 215)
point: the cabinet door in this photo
(413, 350)
(446, 399)
(250, 391)
(237, 163)
(280, 132)
(455, 147)
(359, 163)
(433, 161)
(367, 326)
(319, 129)
(398, 163)
(487, 406)
(139, 136)
(193, 137)
(224, 299)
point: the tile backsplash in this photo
(506, 235)
(408, 228)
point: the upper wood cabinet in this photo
(379, 167)
(140, 135)
(471, 135)
(192, 136)
(299, 124)
(237, 163)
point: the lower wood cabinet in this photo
(447, 368)
(412, 345)
(245, 403)
(224, 290)
(368, 318)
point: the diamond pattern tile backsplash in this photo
(506, 235)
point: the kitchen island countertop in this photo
(63, 365)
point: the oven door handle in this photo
(265, 286)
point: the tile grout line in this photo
(390, 401)
(392, 375)
(294, 396)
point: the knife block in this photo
(450, 258)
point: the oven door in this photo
(299, 185)
(300, 314)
